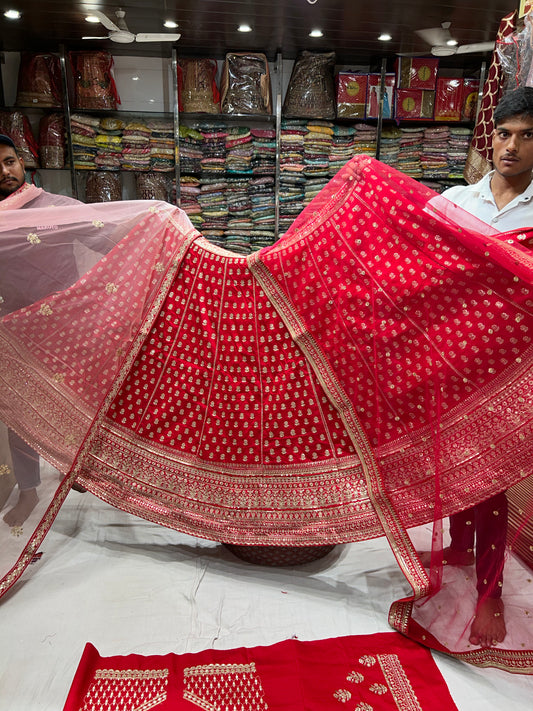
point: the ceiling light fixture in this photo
(384, 37)
(170, 24)
(244, 28)
(12, 14)
(316, 33)
(92, 18)
(452, 43)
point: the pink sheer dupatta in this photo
(367, 375)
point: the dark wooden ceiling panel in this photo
(209, 27)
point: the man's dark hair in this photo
(518, 102)
(7, 141)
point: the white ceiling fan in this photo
(442, 42)
(119, 32)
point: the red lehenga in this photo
(365, 376)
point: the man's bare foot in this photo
(488, 627)
(449, 557)
(28, 500)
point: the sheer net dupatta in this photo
(78, 286)
(417, 321)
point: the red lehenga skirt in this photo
(367, 375)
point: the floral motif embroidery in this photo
(379, 689)
(364, 707)
(33, 238)
(69, 440)
(342, 695)
(59, 378)
(16, 531)
(98, 223)
(45, 310)
(228, 686)
(4, 469)
(154, 209)
(355, 677)
(111, 288)
(159, 267)
(129, 688)
(367, 660)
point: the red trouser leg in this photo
(488, 522)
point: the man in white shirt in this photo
(504, 200)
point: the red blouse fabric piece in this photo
(379, 672)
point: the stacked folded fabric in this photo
(389, 149)
(136, 146)
(263, 199)
(264, 151)
(213, 162)
(239, 150)
(317, 147)
(458, 145)
(109, 144)
(189, 192)
(162, 145)
(410, 151)
(434, 155)
(83, 134)
(212, 199)
(190, 150)
(342, 148)
(365, 139)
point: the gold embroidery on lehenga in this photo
(367, 660)
(379, 689)
(224, 687)
(98, 223)
(355, 677)
(33, 238)
(398, 683)
(342, 695)
(135, 689)
(364, 707)
(45, 310)
(4, 469)
(111, 288)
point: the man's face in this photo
(11, 171)
(512, 146)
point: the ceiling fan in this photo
(119, 32)
(439, 37)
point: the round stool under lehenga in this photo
(279, 556)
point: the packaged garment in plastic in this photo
(311, 90)
(39, 80)
(17, 126)
(52, 141)
(152, 186)
(103, 186)
(245, 84)
(94, 83)
(197, 88)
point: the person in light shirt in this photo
(502, 199)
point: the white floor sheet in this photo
(129, 586)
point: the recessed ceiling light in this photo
(244, 28)
(385, 37)
(170, 24)
(452, 43)
(12, 14)
(316, 33)
(92, 18)
(135, 78)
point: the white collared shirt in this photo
(478, 200)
